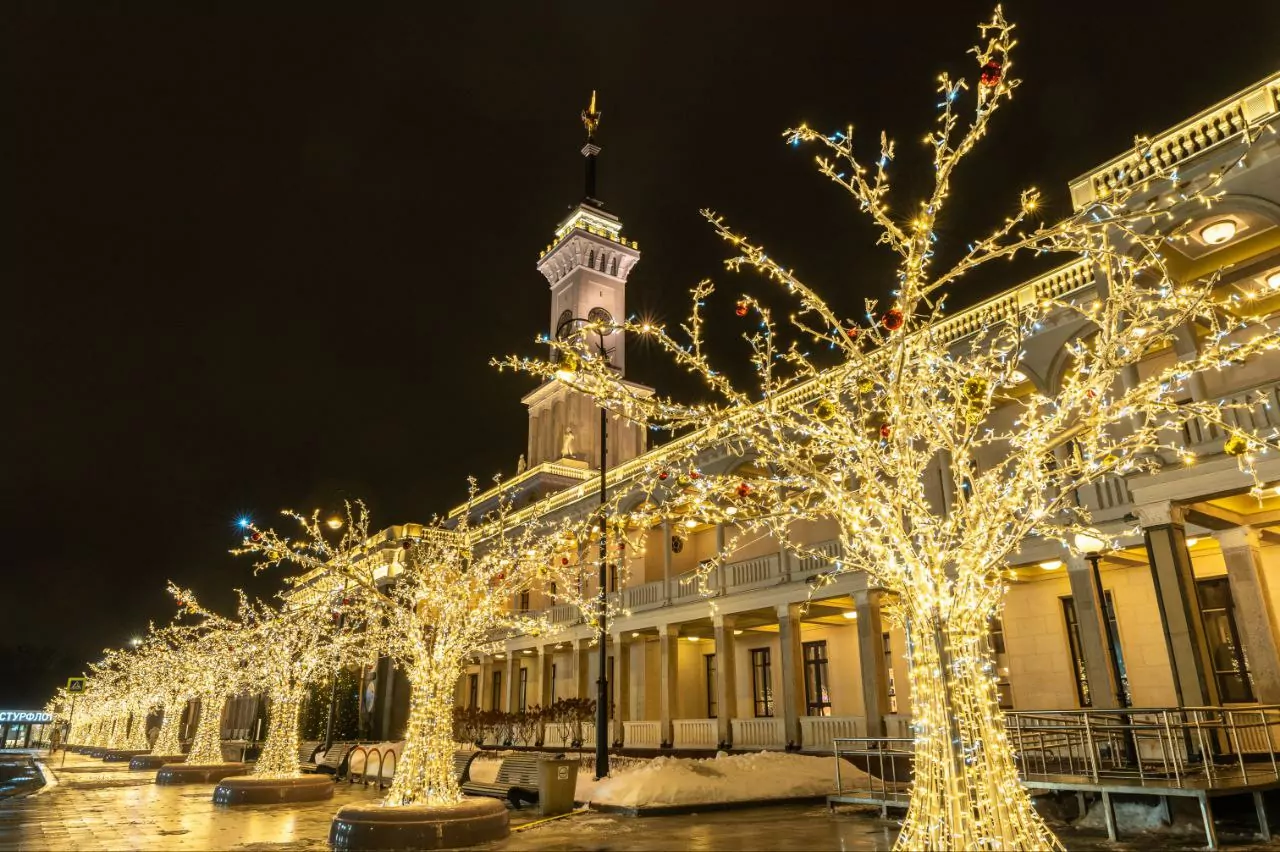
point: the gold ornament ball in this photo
(825, 410)
(1236, 445)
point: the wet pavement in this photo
(97, 806)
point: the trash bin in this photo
(557, 779)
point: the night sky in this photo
(261, 259)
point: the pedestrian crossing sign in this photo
(75, 685)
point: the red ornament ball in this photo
(992, 73)
(884, 431)
(892, 319)
(693, 474)
(663, 475)
(407, 543)
(256, 536)
(741, 309)
(564, 560)
(853, 333)
(743, 489)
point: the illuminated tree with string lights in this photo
(431, 600)
(280, 650)
(912, 400)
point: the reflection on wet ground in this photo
(97, 806)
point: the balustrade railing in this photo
(642, 734)
(818, 733)
(694, 733)
(758, 733)
(643, 597)
(821, 556)
(760, 571)
(688, 585)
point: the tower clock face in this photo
(564, 327)
(600, 315)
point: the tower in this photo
(586, 266)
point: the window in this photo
(524, 690)
(1230, 665)
(817, 698)
(1077, 649)
(553, 592)
(613, 576)
(613, 267)
(1077, 653)
(709, 664)
(473, 691)
(553, 683)
(497, 690)
(1004, 690)
(761, 682)
(524, 601)
(888, 672)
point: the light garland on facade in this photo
(910, 405)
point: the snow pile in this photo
(666, 781)
(1134, 817)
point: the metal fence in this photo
(881, 772)
(1173, 746)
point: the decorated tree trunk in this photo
(169, 741)
(966, 793)
(119, 730)
(138, 730)
(425, 774)
(279, 758)
(206, 746)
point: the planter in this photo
(468, 823)
(155, 761)
(198, 773)
(122, 754)
(252, 790)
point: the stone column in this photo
(546, 657)
(1162, 527)
(668, 676)
(513, 681)
(722, 581)
(1099, 669)
(621, 685)
(792, 673)
(726, 681)
(486, 683)
(582, 668)
(871, 660)
(1254, 616)
(666, 561)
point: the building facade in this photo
(1182, 613)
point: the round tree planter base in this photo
(122, 754)
(252, 790)
(472, 821)
(155, 761)
(198, 773)
(97, 751)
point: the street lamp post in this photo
(602, 682)
(334, 523)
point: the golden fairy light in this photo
(916, 441)
(431, 598)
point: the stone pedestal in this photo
(468, 823)
(253, 790)
(155, 761)
(198, 773)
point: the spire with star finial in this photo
(591, 120)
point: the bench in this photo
(516, 781)
(335, 759)
(462, 764)
(307, 755)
